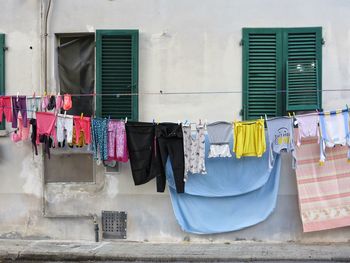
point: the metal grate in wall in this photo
(114, 224)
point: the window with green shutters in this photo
(282, 70)
(117, 73)
(2, 72)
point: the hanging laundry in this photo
(117, 146)
(44, 102)
(33, 105)
(52, 103)
(82, 124)
(64, 128)
(334, 127)
(19, 104)
(307, 127)
(280, 132)
(170, 141)
(67, 102)
(33, 136)
(99, 138)
(144, 154)
(194, 150)
(249, 138)
(23, 132)
(219, 134)
(5, 108)
(45, 122)
(81, 140)
(59, 102)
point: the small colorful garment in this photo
(117, 146)
(99, 139)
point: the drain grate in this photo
(114, 224)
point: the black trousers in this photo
(170, 141)
(144, 153)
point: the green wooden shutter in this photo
(262, 51)
(117, 73)
(303, 55)
(2, 72)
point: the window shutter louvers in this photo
(303, 69)
(261, 73)
(117, 73)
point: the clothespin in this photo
(289, 114)
(126, 119)
(81, 116)
(265, 117)
(44, 93)
(34, 94)
(347, 107)
(153, 121)
(178, 122)
(200, 122)
(17, 95)
(65, 113)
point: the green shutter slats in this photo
(260, 78)
(117, 61)
(303, 83)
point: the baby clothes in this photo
(82, 124)
(33, 105)
(280, 132)
(45, 122)
(194, 150)
(44, 102)
(67, 102)
(219, 134)
(117, 146)
(99, 138)
(23, 131)
(64, 123)
(307, 127)
(334, 130)
(249, 138)
(52, 103)
(59, 102)
(5, 108)
(19, 104)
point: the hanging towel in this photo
(249, 138)
(323, 191)
(233, 195)
(219, 134)
(281, 137)
(334, 127)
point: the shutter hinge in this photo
(241, 112)
(241, 43)
(323, 41)
(5, 48)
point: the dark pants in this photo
(170, 142)
(19, 104)
(144, 153)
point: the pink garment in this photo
(45, 122)
(323, 191)
(23, 132)
(307, 127)
(6, 108)
(117, 147)
(59, 103)
(82, 124)
(45, 102)
(15, 137)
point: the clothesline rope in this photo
(161, 92)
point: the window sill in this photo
(65, 151)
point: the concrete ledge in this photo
(165, 252)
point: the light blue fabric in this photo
(234, 194)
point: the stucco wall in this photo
(184, 46)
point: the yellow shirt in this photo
(249, 138)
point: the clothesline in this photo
(161, 92)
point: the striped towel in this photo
(324, 191)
